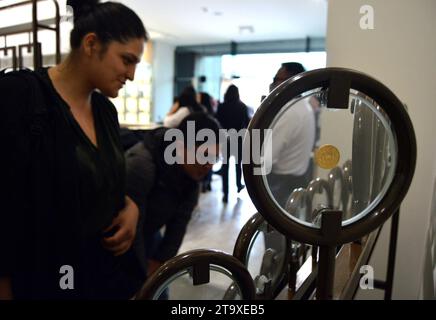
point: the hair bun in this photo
(82, 7)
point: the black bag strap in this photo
(37, 107)
(40, 112)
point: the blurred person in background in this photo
(232, 114)
(185, 105)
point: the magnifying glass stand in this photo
(331, 224)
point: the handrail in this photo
(334, 175)
(295, 200)
(346, 169)
(23, 28)
(316, 186)
(14, 5)
(33, 27)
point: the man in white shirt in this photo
(293, 137)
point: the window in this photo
(253, 73)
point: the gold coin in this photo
(327, 156)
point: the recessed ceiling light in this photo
(155, 34)
(246, 29)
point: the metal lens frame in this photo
(339, 84)
(204, 261)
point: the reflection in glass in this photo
(318, 196)
(339, 189)
(266, 258)
(296, 204)
(356, 183)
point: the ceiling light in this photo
(246, 30)
(155, 34)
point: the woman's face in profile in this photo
(116, 65)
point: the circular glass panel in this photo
(306, 141)
(317, 121)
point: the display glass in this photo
(316, 157)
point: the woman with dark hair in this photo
(207, 101)
(232, 114)
(185, 105)
(67, 227)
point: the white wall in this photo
(428, 281)
(163, 79)
(400, 52)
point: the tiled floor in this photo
(215, 225)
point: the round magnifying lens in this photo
(341, 136)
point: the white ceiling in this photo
(188, 22)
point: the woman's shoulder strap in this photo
(31, 89)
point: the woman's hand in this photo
(125, 225)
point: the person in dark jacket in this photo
(232, 114)
(206, 100)
(66, 225)
(167, 191)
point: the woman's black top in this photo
(233, 115)
(101, 167)
(62, 193)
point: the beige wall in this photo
(163, 79)
(400, 52)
